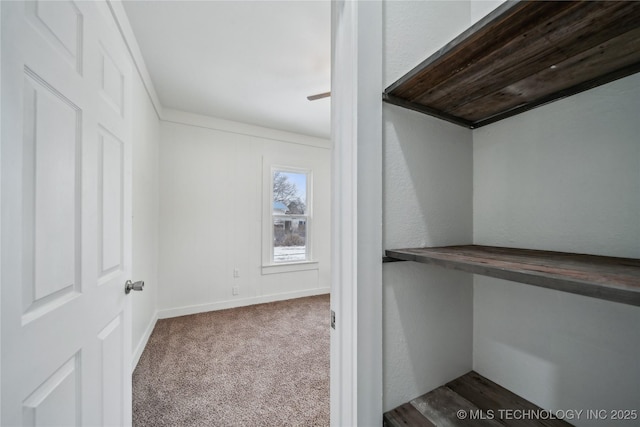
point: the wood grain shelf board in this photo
(491, 404)
(608, 278)
(406, 415)
(523, 55)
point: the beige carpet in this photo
(263, 365)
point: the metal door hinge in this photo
(333, 319)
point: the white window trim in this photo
(288, 267)
(268, 265)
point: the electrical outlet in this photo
(235, 290)
(236, 272)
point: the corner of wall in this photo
(562, 177)
(142, 343)
(212, 201)
(428, 201)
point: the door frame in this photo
(356, 288)
(357, 180)
(1, 283)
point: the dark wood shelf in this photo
(522, 55)
(608, 278)
(487, 402)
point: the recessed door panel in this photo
(110, 194)
(112, 82)
(56, 402)
(111, 342)
(51, 148)
(60, 22)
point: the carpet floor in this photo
(262, 365)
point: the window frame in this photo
(269, 264)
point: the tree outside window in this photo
(290, 217)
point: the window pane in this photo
(289, 239)
(289, 193)
(289, 216)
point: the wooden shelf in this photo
(490, 404)
(608, 278)
(523, 55)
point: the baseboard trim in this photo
(223, 305)
(143, 342)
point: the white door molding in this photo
(356, 291)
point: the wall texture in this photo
(211, 204)
(427, 200)
(562, 177)
(480, 8)
(146, 143)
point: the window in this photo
(290, 217)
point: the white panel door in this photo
(66, 216)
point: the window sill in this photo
(287, 267)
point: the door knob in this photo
(131, 286)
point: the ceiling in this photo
(249, 61)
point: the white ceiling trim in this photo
(192, 119)
(230, 126)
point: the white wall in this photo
(197, 268)
(427, 188)
(211, 204)
(563, 177)
(480, 8)
(146, 211)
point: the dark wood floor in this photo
(469, 401)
